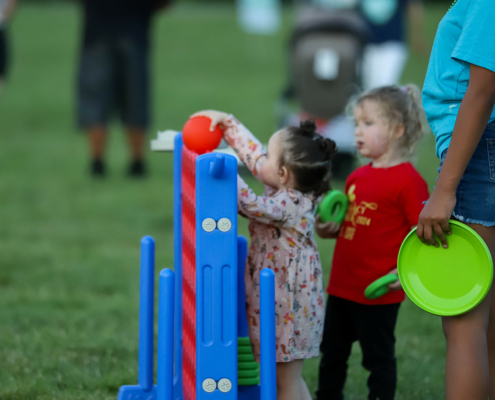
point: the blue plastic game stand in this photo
(165, 356)
(216, 276)
(145, 389)
(242, 324)
(178, 265)
(268, 378)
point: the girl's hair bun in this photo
(308, 155)
(328, 147)
(307, 128)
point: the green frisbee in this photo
(333, 207)
(446, 281)
(380, 287)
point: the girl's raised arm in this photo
(275, 210)
(245, 144)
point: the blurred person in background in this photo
(6, 10)
(114, 75)
(390, 23)
(386, 54)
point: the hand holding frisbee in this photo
(448, 281)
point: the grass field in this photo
(69, 245)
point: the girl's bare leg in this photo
(290, 384)
(488, 235)
(467, 372)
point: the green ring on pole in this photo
(245, 357)
(248, 381)
(248, 374)
(247, 365)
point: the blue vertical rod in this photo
(165, 368)
(146, 313)
(268, 355)
(178, 144)
(242, 324)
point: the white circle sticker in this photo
(224, 224)
(209, 385)
(209, 224)
(224, 385)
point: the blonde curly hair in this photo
(399, 105)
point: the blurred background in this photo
(69, 243)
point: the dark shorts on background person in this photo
(373, 326)
(476, 191)
(113, 78)
(3, 54)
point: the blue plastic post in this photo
(217, 166)
(145, 388)
(242, 324)
(268, 355)
(216, 276)
(146, 313)
(165, 367)
(178, 144)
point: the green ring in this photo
(244, 350)
(248, 381)
(243, 341)
(334, 207)
(245, 357)
(380, 287)
(248, 374)
(247, 365)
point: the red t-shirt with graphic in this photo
(384, 203)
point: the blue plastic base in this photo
(249, 393)
(136, 392)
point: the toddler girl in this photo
(295, 170)
(385, 199)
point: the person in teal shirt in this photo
(459, 99)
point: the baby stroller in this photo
(325, 52)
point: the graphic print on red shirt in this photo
(384, 204)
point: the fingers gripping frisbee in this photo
(380, 287)
(446, 281)
(334, 207)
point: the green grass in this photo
(69, 246)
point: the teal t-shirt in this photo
(466, 35)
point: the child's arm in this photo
(396, 285)
(327, 230)
(236, 135)
(274, 210)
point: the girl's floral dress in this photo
(281, 228)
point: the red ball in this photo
(197, 136)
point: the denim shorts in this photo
(476, 191)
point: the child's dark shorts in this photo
(3, 54)
(476, 191)
(113, 77)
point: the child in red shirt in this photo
(385, 200)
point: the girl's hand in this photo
(396, 285)
(435, 218)
(217, 117)
(327, 230)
